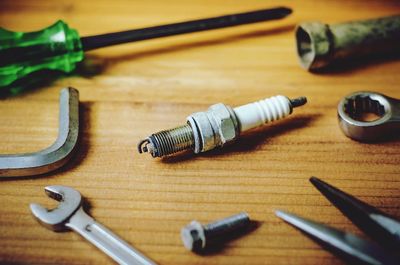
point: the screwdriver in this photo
(60, 48)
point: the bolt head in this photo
(193, 236)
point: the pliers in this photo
(381, 227)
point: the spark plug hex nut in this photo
(213, 128)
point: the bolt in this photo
(218, 126)
(196, 237)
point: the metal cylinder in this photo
(168, 142)
(226, 226)
(318, 44)
(197, 237)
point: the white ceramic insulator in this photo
(258, 113)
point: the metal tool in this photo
(218, 126)
(54, 156)
(197, 237)
(59, 47)
(377, 224)
(70, 215)
(353, 107)
(380, 226)
(319, 45)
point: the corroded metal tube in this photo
(318, 44)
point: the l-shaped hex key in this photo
(54, 156)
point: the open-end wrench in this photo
(70, 215)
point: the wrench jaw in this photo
(55, 219)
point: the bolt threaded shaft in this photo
(226, 225)
(168, 142)
(197, 237)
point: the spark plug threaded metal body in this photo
(217, 126)
(169, 141)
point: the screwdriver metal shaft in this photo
(98, 41)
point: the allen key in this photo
(54, 156)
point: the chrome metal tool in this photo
(353, 107)
(380, 226)
(70, 215)
(54, 156)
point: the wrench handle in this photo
(107, 241)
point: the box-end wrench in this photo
(352, 107)
(70, 215)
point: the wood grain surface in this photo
(130, 91)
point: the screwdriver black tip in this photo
(284, 11)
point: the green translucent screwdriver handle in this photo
(57, 47)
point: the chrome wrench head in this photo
(352, 108)
(70, 215)
(55, 219)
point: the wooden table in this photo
(137, 89)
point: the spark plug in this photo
(218, 126)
